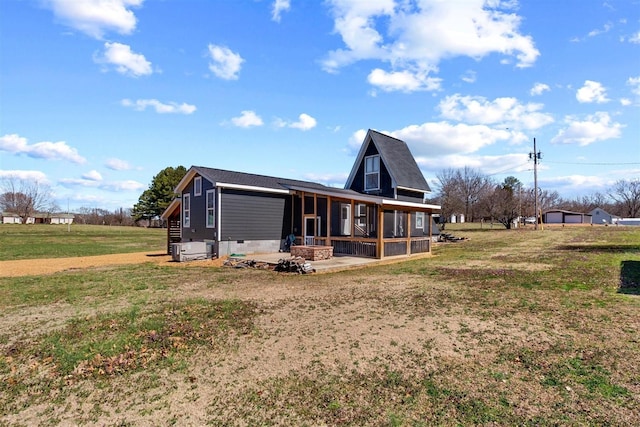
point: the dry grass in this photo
(507, 328)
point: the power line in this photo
(595, 164)
(508, 169)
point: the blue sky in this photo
(98, 96)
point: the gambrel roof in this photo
(395, 155)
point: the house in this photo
(39, 218)
(600, 216)
(380, 212)
(11, 218)
(559, 216)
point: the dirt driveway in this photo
(34, 267)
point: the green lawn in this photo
(509, 327)
(34, 241)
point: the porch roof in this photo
(354, 195)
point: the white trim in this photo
(400, 187)
(218, 215)
(185, 180)
(197, 189)
(251, 188)
(409, 204)
(420, 215)
(211, 192)
(373, 157)
(171, 208)
(186, 222)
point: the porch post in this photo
(408, 233)
(329, 221)
(353, 218)
(379, 246)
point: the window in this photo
(361, 215)
(345, 219)
(420, 220)
(186, 210)
(211, 208)
(372, 172)
(197, 186)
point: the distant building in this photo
(39, 218)
(600, 216)
(559, 216)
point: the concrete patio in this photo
(335, 263)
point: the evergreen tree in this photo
(154, 200)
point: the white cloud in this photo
(625, 102)
(634, 82)
(404, 81)
(36, 176)
(16, 144)
(112, 186)
(247, 119)
(305, 122)
(117, 164)
(441, 138)
(539, 88)
(598, 31)
(469, 77)
(592, 92)
(487, 164)
(128, 185)
(78, 182)
(507, 112)
(635, 38)
(92, 175)
(224, 63)
(96, 17)
(596, 127)
(413, 37)
(356, 139)
(159, 107)
(279, 6)
(124, 60)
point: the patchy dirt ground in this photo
(356, 348)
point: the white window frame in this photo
(420, 220)
(345, 219)
(372, 167)
(211, 197)
(197, 186)
(186, 210)
(361, 215)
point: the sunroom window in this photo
(420, 220)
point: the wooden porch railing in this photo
(367, 247)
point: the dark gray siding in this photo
(410, 196)
(251, 216)
(198, 231)
(386, 190)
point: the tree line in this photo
(478, 197)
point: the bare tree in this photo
(627, 195)
(25, 197)
(504, 201)
(461, 190)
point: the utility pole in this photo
(536, 156)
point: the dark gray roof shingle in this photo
(249, 179)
